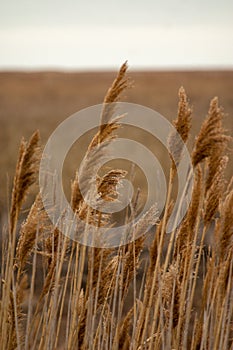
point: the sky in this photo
(78, 35)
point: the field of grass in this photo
(160, 291)
(30, 101)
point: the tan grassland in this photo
(172, 291)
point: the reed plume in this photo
(28, 232)
(212, 138)
(182, 124)
(25, 175)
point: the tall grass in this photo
(59, 294)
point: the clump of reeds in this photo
(57, 293)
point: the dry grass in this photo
(42, 100)
(92, 298)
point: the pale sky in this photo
(102, 34)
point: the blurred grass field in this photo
(42, 100)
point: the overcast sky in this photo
(73, 34)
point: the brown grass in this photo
(92, 298)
